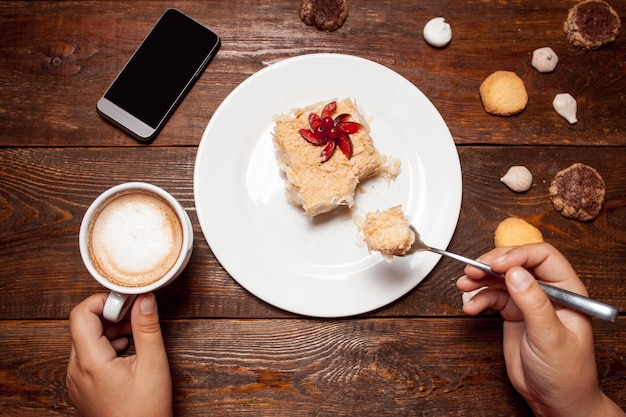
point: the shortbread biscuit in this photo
(592, 24)
(514, 231)
(577, 192)
(503, 93)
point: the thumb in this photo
(542, 322)
(146, 330)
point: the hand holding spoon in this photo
(563, 297)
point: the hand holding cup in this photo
(134, 239)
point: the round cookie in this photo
(516, 232)
(503, 93)
(592, 24)
(577, 192)
(324, 14)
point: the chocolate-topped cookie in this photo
(324, 14)
(592, 24)
(577, 192)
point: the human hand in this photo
(548, 350)
(102, 384)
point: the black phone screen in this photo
(162, 68)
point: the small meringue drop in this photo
(565, 105)
(544, 59)
(518, 178)
(437, 32)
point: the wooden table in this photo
(230, 353)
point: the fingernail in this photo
(499, 260)
(520, 279)
(148, 304)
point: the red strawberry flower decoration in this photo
(333, 133)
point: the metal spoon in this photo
(563, 297)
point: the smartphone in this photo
(156, 78)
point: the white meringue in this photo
(566, 106)
(544, 59)
(518, 178)
(437, 32)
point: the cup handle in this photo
(117, 305)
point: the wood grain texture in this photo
(382, 367)
(46, 191)
(60, 59)
(232, 354)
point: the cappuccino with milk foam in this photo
(135, 239)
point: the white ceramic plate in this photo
(318, 267)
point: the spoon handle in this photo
(566, 298)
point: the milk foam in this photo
(135, 239)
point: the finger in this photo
(542, 323)
(488, 257)
(546, 263)
(495, 298)
(147, 335)
(475, 273)
(120, 344)
(487, 298)
(116, 330)
(87, 330)
(465, 283)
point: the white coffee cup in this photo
(134, 238)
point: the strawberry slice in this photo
(330, 132)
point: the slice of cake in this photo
(388, 232)
(325, 151)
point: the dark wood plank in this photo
(383, 367)
(45, 192)
(59, 58)
(230, 353)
